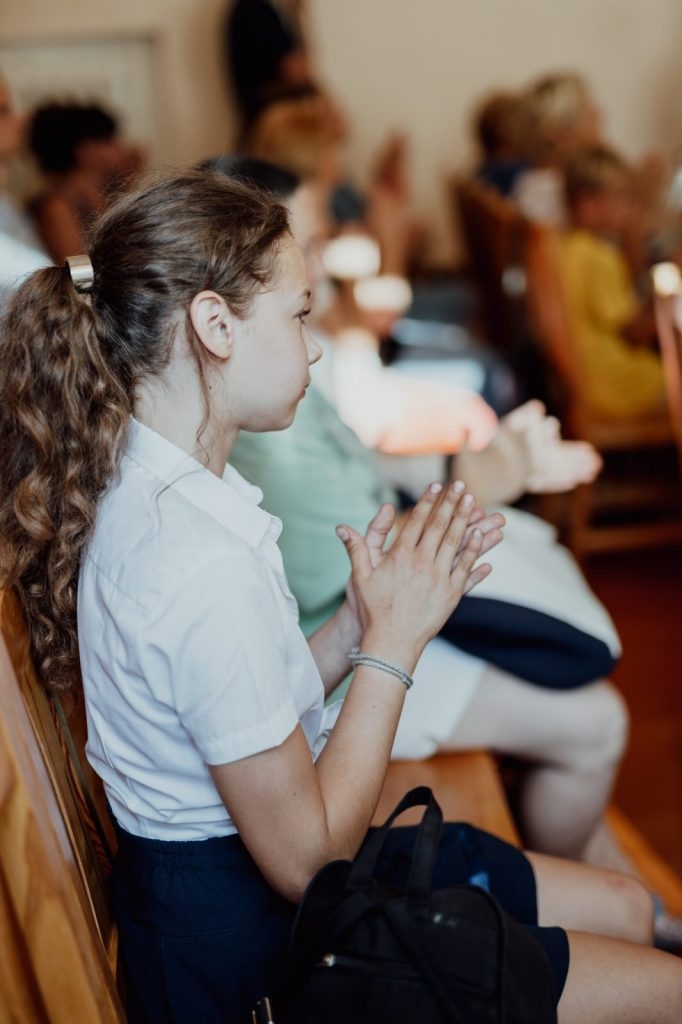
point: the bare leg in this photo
(609, 980)
(587, 899)
(612, 982)
(573, 740)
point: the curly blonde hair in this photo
(71, 365)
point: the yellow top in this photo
(621, 381)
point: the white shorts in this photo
(445, 681)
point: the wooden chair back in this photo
(668, 309)
(491, 229)
(58, 939)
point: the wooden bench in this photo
(467, 787)
(57, 938)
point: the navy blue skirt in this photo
(202, 936)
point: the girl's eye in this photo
(303, 314)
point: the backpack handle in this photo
(425, 847)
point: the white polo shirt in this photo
(189, 642)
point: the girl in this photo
(138, 551)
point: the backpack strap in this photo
(425, 848)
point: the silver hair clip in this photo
(82, 274)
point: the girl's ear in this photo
(212, 323)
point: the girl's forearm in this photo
(331, 644)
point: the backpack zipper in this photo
(366, 966)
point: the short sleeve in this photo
(217, 653)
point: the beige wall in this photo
(415, 66)
(196, 119)
(420, 66)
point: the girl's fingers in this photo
(490, 526)
(464, 563)
(490, 541)
(451, 538)
(356, 548)
(476, 515)
(377, 532)
(477, 576)
(415, 522)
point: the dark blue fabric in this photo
(202, 936)
(257, 39)
(527, 643)
(464, 852)
(502, 175)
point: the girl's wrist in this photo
(349, 629)
(399, 650)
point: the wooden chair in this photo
(490, 225)
(668, 310)
(613, 512)
(58, 939)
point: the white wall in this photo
(415, 66)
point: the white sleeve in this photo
(222, 660)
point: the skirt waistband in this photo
(211, 852)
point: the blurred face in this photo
(11, 126)
(99, 157)
(310, 228)
(588, 128)
(270, 366)
(606, 211)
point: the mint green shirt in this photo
(314, 475)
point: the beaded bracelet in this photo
(357, 657)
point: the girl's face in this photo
(273, 351)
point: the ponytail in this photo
(70, 365)
(63, 419)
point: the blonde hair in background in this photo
(594, 170)
(560, 110)
(294, 134)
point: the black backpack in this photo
(363, 950)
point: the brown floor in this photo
(643, 592)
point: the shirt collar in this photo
(232, 501)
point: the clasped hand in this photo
(407, 592)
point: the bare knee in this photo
(606, 726)
(636, 909)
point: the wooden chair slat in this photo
(668, 311)
(52, 895)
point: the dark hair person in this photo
(83, 161)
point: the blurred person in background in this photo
(83, 161)
(20, 249)
(500, 127)
(265, 52)
(562, 117)
(621, 369)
